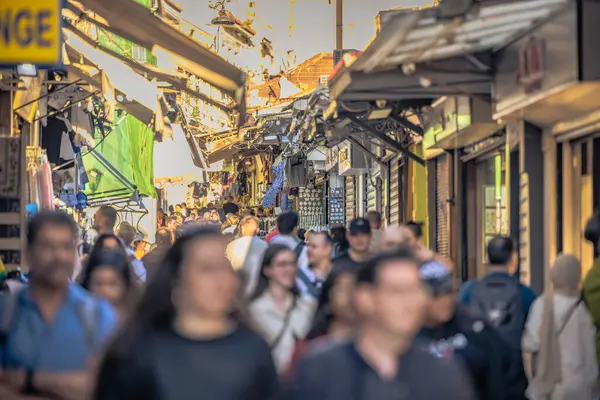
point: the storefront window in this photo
(492, 202)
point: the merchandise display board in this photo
(310, 207)
(337, 211)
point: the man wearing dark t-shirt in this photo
(359, 238)
(382, 362)
(230, 207)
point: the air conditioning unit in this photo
(138, 53)
(296, 172)
(319, 165)
(323, 80)
(351, 160)
(331, 159)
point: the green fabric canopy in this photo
(125, 157)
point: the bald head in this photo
(395, 236)
(249, 226)
(164, 237)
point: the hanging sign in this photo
(530, 72)
(30, 32)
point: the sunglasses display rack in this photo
(337, 211)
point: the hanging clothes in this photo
(225, 178)
(82, 126)
(34, 187)
(66, 148)
(271, 196)
(46, 191)
(286, 203)
(52, 139)
(242, 183)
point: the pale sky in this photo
(314, 22)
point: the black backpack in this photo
(497, 298)
(298, 250)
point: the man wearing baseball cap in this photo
(454, 333)
(359, 239)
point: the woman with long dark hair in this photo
(107, 274)
(281, 314)
(109, 241)
(335, 317)
(187, 339)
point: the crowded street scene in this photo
(299, 200)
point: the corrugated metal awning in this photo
(224, 153)
(420, 36)
(133, 21)
(135, 86)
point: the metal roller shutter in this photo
(350, 198)
(442, 198)
(394, 191)
(371, 193)
(385, 198)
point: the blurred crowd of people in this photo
(362, 312)
(227, 216)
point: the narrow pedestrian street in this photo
(299, 200)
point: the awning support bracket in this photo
(387, 140)
(69, 106)
(407, 124)
(111, 168)
(48, 94)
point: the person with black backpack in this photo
(453, 333)
(504, 302)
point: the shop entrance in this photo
(487, 194)
(581, 193)
(492, 213)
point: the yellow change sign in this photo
(30, 32)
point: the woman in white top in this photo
(279, 312)
(560, 334)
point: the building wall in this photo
(532, 234)
(574, 177)
(420, 195)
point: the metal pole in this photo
(339, 24)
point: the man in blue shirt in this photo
(51, 330)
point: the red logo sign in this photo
(530, 71)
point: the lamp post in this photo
(339, 24)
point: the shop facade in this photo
(352, 166)
(335, 189)
(467, 177)
(485, 169)
(544, 89)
